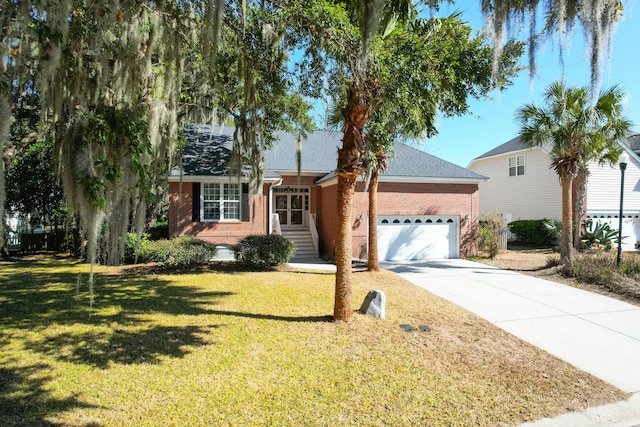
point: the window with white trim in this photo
(516, 165)
(220, 201)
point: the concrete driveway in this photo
(595, 333)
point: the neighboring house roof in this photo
(513, 145)
(633, 142)
(208, 152)
(508, 147)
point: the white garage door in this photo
(418, 237)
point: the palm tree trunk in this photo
(342, 306)
(566, 242)
(350, 165)
(372, 258)
(580, 184)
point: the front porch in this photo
(292, 218)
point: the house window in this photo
(220, 201)
(516, 165)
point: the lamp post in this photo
(623, 166)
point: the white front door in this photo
(290, 209)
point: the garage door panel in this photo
(414, 241)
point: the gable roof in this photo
(320, 154)
(508, 147)
(410, 162)
(513, 145)
(633, 141)
(208, 152)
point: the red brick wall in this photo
(393, 199)
(225, 232)
(326, 220)
(403, 199)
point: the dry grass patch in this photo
(246, 348)
(601, 270)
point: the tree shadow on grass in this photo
(24, 400)
(49, 301)
(320, 319)
(35, 300)
(120, 328)
(99, 349)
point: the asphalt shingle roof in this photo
(633, 141)
(412, 162)
(508, 147)
(319, 152)
(208, 152)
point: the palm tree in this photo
(363, 92)
(416, 87)
(572, 127)
(605, 152)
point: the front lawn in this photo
(244, 348)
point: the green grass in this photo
(248, 348)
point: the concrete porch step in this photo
(303, 241)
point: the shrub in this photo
(554, 230)
(488, 241)
(491, 225)
(535, 231)
(182, 252)
(261, 251)
(156, 251)
(133, 247)
(158, 231)
(484, 238)
(598, 236)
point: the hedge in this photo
(181, 252)
(534, 231)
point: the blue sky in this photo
(491, 123)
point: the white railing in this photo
(311, 220)
(275, 224)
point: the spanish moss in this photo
(597, 18)
(109, 76)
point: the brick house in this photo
(427, 207)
